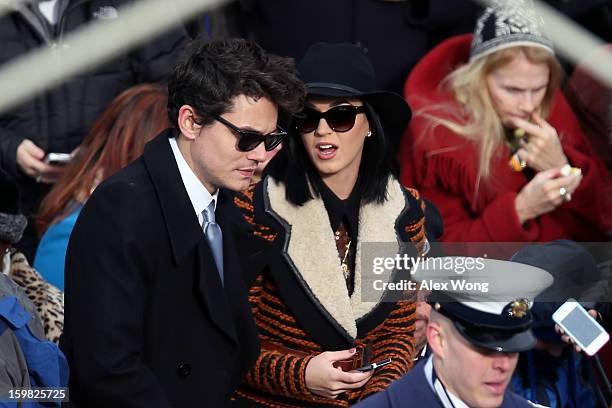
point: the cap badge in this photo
(519, 308)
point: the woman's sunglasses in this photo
(248, 140)
(339, 118)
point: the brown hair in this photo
(116, 138)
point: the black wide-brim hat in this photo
(344, 70)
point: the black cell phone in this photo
(374, 366)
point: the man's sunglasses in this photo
(340, 118)
(248, 140)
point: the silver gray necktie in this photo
(213, 234)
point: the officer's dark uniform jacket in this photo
(414, 390)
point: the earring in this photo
(369, 133)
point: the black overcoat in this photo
(148, 323)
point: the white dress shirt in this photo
(49, 9)
(198, 194)
(447, 398)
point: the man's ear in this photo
(436, 338)
(186, 122)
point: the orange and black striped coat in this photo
(300, 301)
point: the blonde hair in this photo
(478, 121)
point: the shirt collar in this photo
(457, 403)
(198, 194)
(339, 210)
(446, 398)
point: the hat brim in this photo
(513, 342)
(393, 110)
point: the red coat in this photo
(443, 166)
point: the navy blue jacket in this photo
(412, 390)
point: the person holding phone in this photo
(475, 338)
(495, 145)
(581, 326)
(57, 119)
(116, 139)
(329, 192)
(602, 317)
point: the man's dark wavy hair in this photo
(215, 72)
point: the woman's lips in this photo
(326, 151)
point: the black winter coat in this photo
(147, 321)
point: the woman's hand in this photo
(325, 380)
(543, 150)
(543, 193)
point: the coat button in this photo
(183, 370)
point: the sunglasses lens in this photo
(249, 141)
(341, 118)
(308, 120)
(273, 140)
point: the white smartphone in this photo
(58, 158)
(581, 327)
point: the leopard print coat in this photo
(48, 299)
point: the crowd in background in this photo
(461, 166)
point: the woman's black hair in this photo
(293, 167)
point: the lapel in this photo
(231, 222)
(185, 233)
(309, 250)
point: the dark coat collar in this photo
(186, 237)
(181, 221)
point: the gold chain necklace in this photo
(344, 262)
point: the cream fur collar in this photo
(310, 248)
